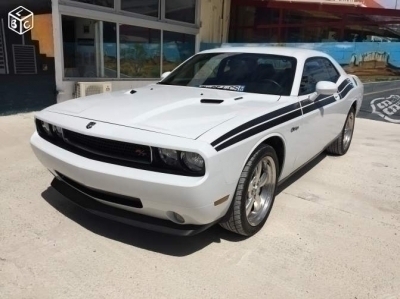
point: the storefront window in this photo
(140, 52)
(181, 10)
(259, 23)
(89, 48)
(177, 47)
(105, 3)
(143, 7)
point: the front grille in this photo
(109, 148)
(110, 151)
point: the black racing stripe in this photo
(259, 129)
(306, 102)
(346, 91)
(309, 102)
(319, 104)
(322, 100)
(256, 121)
(307, 106)
(343, 85)
(318, 99)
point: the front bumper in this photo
(93, 206)
(160, 194)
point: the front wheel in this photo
(255, 193)
(342, 144)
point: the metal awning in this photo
(334, 6)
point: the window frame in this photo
(127, 13)
(196, 14)
(117, 9)
(302, 74)
(119, 17)
(78, 4)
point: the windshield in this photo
(242, 72)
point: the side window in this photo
(315, 70)
(331, 70)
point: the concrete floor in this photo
(334, 232)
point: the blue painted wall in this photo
(345, 53)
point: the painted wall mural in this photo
(369, 60)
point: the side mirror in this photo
(165, 75)
(326, 88)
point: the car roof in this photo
(283, 51)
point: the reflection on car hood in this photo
(175, 110)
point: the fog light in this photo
(178, 218)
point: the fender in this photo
(262, 141)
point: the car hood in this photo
(175, 110)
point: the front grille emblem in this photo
(140, 153)
(90, 125)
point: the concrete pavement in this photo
(334, 232)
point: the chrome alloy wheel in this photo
(261, 191)
(348, 131)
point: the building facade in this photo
(130, 43)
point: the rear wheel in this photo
(255, 193)
(342, 144)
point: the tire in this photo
(342, 144)
(248, 224)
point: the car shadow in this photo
(149, 240)
(145, 239)
(300, 173)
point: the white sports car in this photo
(207, 144)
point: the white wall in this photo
(214, 15)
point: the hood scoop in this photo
(211, 101)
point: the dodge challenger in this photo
(209, 143)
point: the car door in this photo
(337, 110)
(319, 122)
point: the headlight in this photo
(185, 161)
(47, 130)
(46, 127)
(57, 131)
(193, 161)
(169, 157)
